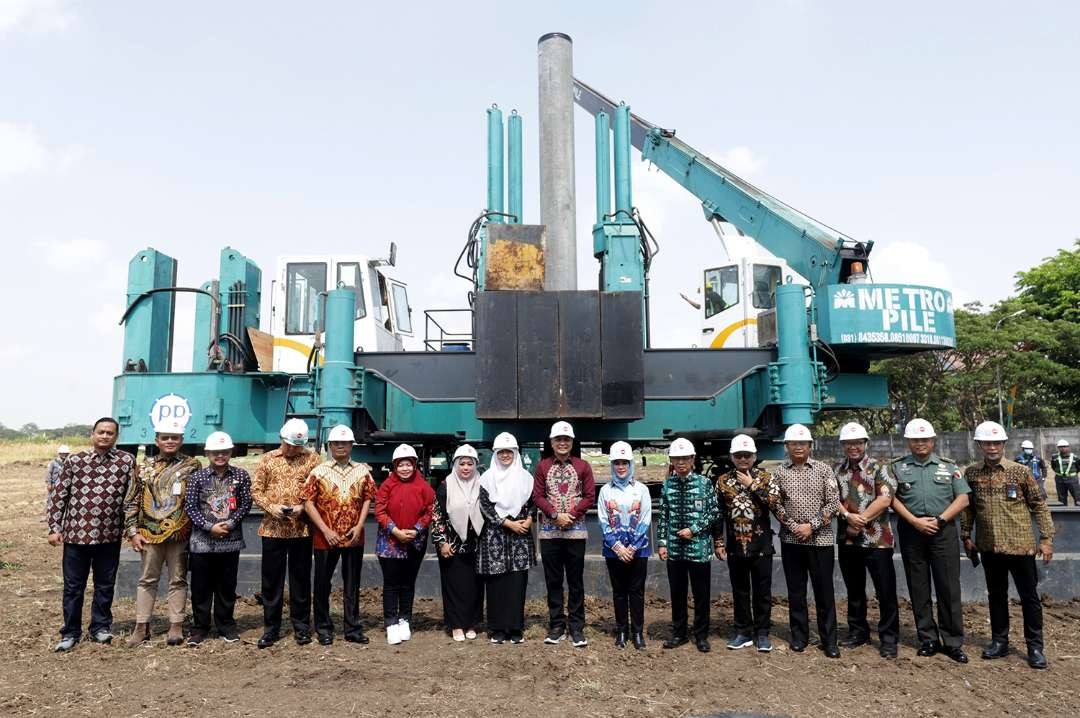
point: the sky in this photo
(944, 132)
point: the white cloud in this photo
(42, 16)
(740, 160)
(908, 262)
(22, 152)
(73, 255)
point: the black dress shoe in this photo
(996, 649)
(831, 651)
(798, 646)
(928, 648)
(302, 638)
(357, 638)
(854, 641)
(702, 644)
(957, 654)
(639, 641)
(1036, 659)
(676, 641)
(268, 639)
(325, 639)
(887, 650)
(620, 639)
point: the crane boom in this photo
(811, 248)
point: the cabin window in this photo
(348, 277)
(402, 312)
(304, 281)
(721, 289)
(766, 277)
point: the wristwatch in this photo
(940, 522)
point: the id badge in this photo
(232, 503)
(176, 488)
(1011, 492)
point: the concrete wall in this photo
(960, 445)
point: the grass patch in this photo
(10, 566)
(26, 450)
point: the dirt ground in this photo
(432, 676)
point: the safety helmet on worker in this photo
(169, 425)
(294, 432)
(853, 431)
(218, 441)
(341, 433)
(1061, 443)
(504, 440)
(742, 443)
(797, 432)
(561, 428)
(65, 449)
(990, 431)
(680, 447)
(919, 429)
(621, 451)
(465, 451)
(1026, 444)
(404, 451)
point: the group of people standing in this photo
(180, 516)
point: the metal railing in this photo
(443, 334)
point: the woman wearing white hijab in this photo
(506, 550)
(456, 524)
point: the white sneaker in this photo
(393, 634)
(403, 629)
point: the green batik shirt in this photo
(687, 503)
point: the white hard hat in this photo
(465, 451)
(169, 425)
(65, 449)
(341, 433)
(743, 443)
(561, 428)
(621, 451)
(1025, 444)
(404, 451)
(680, 447)
(797, 432)
(1061, 443)
(294, 432)
(919, 429)
(504, 440)
(990, 431)
(853, 431)
(218, 441)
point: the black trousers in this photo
(79, 560)
(934, 557)
(628, 591)
(278, 556)
(816, 563)
(564, 557)
(462, 591)
(506, 601)
(326, 562)
(855, 562)
(1025, 575)
(213, 586)
(399, 585)
(1066, 487)
(697, 576)
(751, 591)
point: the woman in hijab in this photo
(456, 524)
(625, 511)
(506, 550)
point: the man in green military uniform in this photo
(930, 493)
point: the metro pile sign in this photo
(893, 314)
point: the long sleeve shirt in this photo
(500, 550)
(686, 503)
(212, 499)
(154, 504)
(1003, 499)
(625, 513)
(87, 506)
(404, 505)
(808, 495)
(563, 487)
(278, 480)
(743, 524)
(862, 484)
(442, 529)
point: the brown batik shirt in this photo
(278, 480)
(1003, 499)
(87, 506)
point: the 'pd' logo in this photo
(170, 406)
(844, 299)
